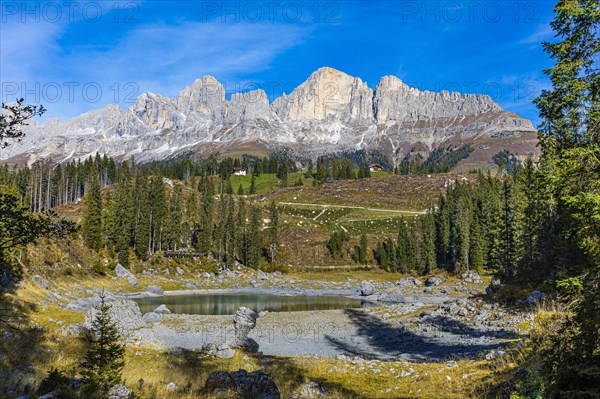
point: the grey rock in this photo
(244, 321)
(155, 289)
(162, 309)
(119, 392)
(427, 290)
(367, 288)
(242, 385)
(39, 281)
(263, 313)
(261, 275)
(535, 297)
(125, 274)
(152, 317)
(180, 271)
(312, 390)
(47, 396)
(219, 350)
(433, 281)
(392, 296)
(171, 387)
(75, 329)
(125, 313)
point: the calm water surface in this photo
(228, 303)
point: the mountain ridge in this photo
(330, 111)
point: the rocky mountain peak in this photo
(327, 95)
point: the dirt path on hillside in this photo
(354, 207)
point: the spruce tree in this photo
(252, 189)
(254, 250)
(241, 234)
(91, 225)
(429, 252)
(108, 221)
(104, 359)
(273, 231)
(206, 216)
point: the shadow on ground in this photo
(445, 338)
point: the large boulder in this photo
(367, 288)
(162, 309)
(124, 313)
(125, 274)
(155, 289)
(244, 321)
(393, 295)
(152, 317)
(242, 385)
(433, 281)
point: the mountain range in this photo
(330, 112)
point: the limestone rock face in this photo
(394, 101)
(328, 95)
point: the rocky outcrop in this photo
(125, 274)
(125, 314)
(367, 288)
(327, 95)
(242, 385)
(394, 101)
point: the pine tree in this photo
(206, 216)
(429, 252)
(91, 226)
(254, 250)
(124, 213)
(108, 221)
(229, 236)
(104, 360)
(241, 233)
(252, 189)
(143, 216)
(273, 231)
(570, 140)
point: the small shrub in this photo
(98, 268)
(55, 380)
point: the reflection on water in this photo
(226, 304)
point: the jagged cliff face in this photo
(331, 111)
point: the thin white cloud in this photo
(159, 57)
(542, 33)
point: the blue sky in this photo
(75, 56)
